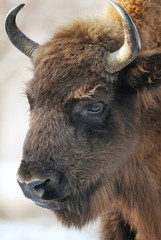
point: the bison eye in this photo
(88, 113)
(95, 109)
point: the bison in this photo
(93, 148)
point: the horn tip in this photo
(15, 10)
(114, 4)
(111, 2)
(12, 15)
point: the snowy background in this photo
(19, 218)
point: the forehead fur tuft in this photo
(93, 31)
(85, 91)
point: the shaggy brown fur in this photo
(110, 164)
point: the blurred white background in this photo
(19, 218)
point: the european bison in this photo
(94, 143)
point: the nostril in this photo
(39, 189)
(50, 189)
(49, 185)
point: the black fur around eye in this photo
(89, 113)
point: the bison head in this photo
(85, 114)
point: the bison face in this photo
(83, 129)
(85, 114)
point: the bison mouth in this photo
(51, 205)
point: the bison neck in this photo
(135, 211)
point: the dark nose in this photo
(52, 188)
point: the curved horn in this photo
(19, 39)
(131, 47)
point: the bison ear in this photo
(144, 72)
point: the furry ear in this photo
(145, 71)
